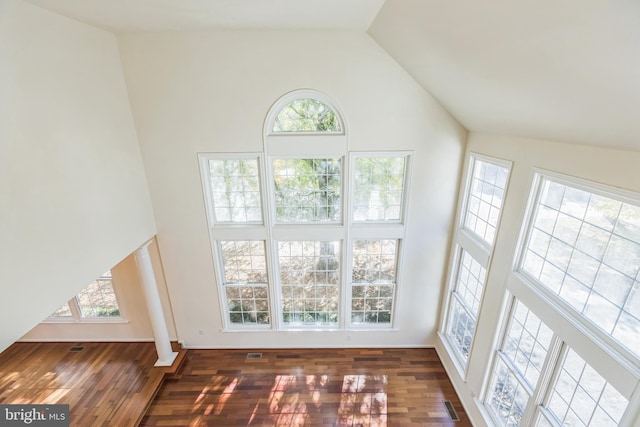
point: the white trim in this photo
(620, 353)
(480, 250)
(301, 94)
(623, 374)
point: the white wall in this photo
(617, 168)
(74, 200)
(135, 323)
(210, 92)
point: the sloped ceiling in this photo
(126, 16)
(564, 70)
(553, 69)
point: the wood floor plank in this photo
(105, 384)
(114, 384)
(308, 387)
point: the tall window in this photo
(538, 379)
(306, 234)
(570, 353)
(96, 301)
(479, 218)
(584, 247)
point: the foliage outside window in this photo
(235, 190)
(96, 301)
(245, 281)
(313, 270)
(378, 188)
(307, 190)
(310, 282)
(373, 281)
(306, 115)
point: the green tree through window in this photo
(307, 115)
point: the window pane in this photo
(373, 280)
(244, 262)
(99, 299)
(248, 305)
(470, 283)
(308, 190)
(581, 397)
(378, 191)
(235, 188)
(245, 281)
(63, 312)
(460, 329)
(306, 115)
(310, 282)
(465, 304)
(586, 249)
(486, 192)
(508, 398)
(523, 352)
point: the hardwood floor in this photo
(105, 384)
(114, 384)
(337, 387)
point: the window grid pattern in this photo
(518, 366)
(373, 280)
(465, 303)
(244, 262)
(235, 190)
(310, 282)
(509, 396)
(581, 397)
(486, 193)
(245, 282)
(461, 327)
(308, 190)
(470, 283)
(98, 299)
(585, 248)
(378, 188)
(248, 305)
(62, 312)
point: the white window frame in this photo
(76, 312)
(249, 231)
(304, 145)
(479, 249)
(616, 349)
(616, 364)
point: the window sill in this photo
(88, 320)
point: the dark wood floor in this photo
(114, 384)
(337, 387)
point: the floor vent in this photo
(254, 355)
(450, 409)
(76, 348)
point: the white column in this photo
(160, 332)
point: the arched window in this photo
(306, 115)
(304, 111)
(306, 234)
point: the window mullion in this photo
(548, 374)
(74, 307)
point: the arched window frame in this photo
(341, 232)
(287, 98)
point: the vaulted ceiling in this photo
(563, 70)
